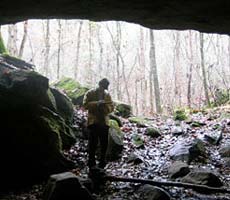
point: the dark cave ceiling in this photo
(211, 16)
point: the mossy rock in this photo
(2, 45)
(115, 143)
(36, 139)
(180, 114)
(140, 121)
(153, 132)
(23, 88)
(116, 118)
(74, 90)
(122, 109)
(64, 105)
(137, 140)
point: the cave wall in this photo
(207, 16)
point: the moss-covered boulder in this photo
(140, 121)
(33, 135)
(31, 145)
(137, 140)
(154, 132)
(122, 109)
(115, 143)
(19, 88)
(180, 114)
(74, 90)
(64, 105)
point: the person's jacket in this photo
(95, 114)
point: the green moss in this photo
(180, 114)
(73, 89)
(141, 122)
(2, 45)
(122, 109)
(115, 125)
(137, 140)
(153, 132)
(67, 84)
(51, 99)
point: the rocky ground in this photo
(153, 157)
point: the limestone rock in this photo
(64, 105)
(178, 169)
(115, 143)
(214, 137)
(153, 132)
(203, 178)
(65, 186)
(225, 151)
(149, 192)
(122, 109)
(187, 151)
(74, 90)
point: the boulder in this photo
(202, 178)
(33, 135)
(65, 186)
(149, 192)
(36, 139)
(225, 151)
(180, 115)
(134, 158)
(187, 151)
(137, 140)
(154, 132)
(64, 105)
(20, 88)
(116, 118)
(177, 130)
(213, 137)
(115, 143)
(178, 169)
(122, 109)
(74, 90)
(140, 121)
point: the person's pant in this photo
(97, 133)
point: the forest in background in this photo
(153, 70)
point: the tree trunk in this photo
(205, 85)
(154, 74)
(59, 48)
(12, 40)
(25, 30)
(90, 80)
(47, 47)
(78, 50)
(190, 69)
(177, 70)
(100, 43)
(143, 67)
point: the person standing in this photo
(99, 104)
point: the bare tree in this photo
(78, 50)
(191, 60)
(101, 50)
(59, 47)
(205, 85)
(177, 68)
(12, 40)
(47, 47)
(25, 30)
(154, 74)
(143, 67)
